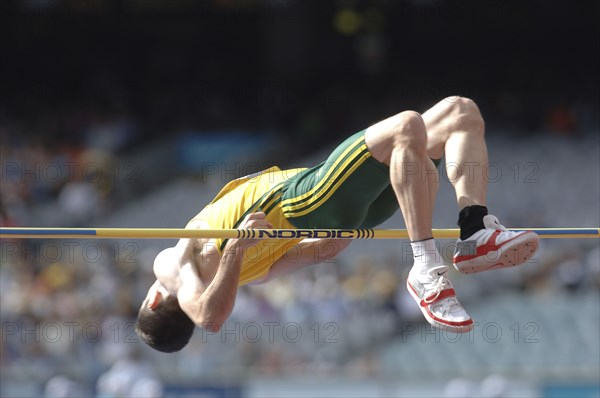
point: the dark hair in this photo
(166, 328)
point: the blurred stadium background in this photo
(133, 113)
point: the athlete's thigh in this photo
(382, 209)
(382, 136)
(379, 135)
(339, 192)
(440, 122)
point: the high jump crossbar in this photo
(178, 233)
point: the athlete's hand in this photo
(256, 220)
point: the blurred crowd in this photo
(66, 174)
(68, 310)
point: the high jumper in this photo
(391, 164)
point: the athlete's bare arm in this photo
(206, 281)
(209, 282)
(305, 253)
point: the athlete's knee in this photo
(465, 114)
(408, 131)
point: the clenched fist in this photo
(256, 220)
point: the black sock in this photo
(470, 220)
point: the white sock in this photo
(425, 256)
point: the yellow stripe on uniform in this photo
(298, 203)
(275, 196)
(319, 200)
(332, 169)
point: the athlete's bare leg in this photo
(455, 129)
(401, 142)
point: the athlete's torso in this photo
(258, 192)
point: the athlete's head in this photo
(161, 322)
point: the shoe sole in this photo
(435, 322)
(517, 252)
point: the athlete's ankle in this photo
(425, 255)
(470, 220)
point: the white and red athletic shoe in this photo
(494, 247)
(437, 300)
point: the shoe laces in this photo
(437, 287)
(492, 222)
(441, 283)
